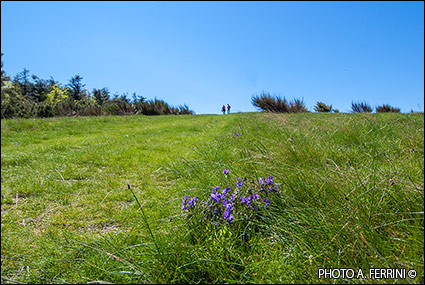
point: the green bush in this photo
(14, 105)
(322, 107)
(43, 110)
(64, 108)
(159, 107)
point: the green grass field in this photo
(351, 195)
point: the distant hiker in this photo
(223, 109)
(228, 109)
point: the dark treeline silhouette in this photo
(30, 96)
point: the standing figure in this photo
(223, 109)
(228, 109)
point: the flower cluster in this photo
(223, 201)
(229, 204)
(186, 202)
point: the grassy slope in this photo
(337, 206)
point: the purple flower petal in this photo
(230, 219)
(227, 190)
(269, 180)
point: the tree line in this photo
(26, 95)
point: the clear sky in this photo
(207, 54)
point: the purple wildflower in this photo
(237, 134)
(243, 200)
(230, 219)
(226, 213)
(225, 191)
(192, 202)
(232, 198)
(215, 196)
(184, 203)
(269, 180)
(261, 181)
(226, 171)
(238, 183)
(229, 206)
(216, 188)
(257, 196)
(266, 200)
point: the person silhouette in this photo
(228, 109)
(223, 109)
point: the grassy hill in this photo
(350, 195)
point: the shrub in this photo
(43, 110)
(361, 107)
(184, 110)
(274, 103)
(64, 108)
(322, 107)
(387, 108)
(91, 110)
(159, 107)
(270, 103)
(297, 106)
(155, 107)
(15, 105)
(118, 106)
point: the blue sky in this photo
(207, 54)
